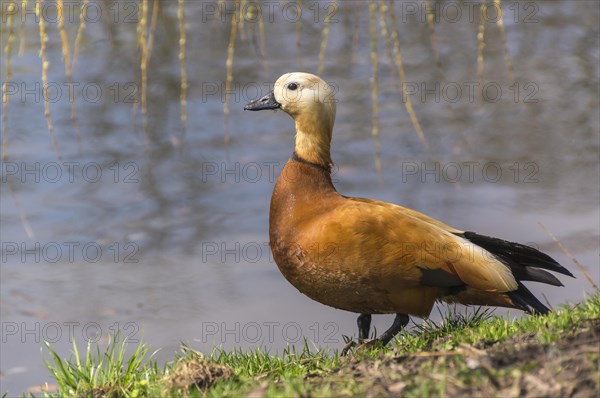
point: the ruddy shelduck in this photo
(371, 257)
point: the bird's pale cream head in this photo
(310, 101)
(302, 94)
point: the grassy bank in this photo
(553, 355)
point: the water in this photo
(169, 243)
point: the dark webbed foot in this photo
(400, 321)
(364, 324)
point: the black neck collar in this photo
(321, 167)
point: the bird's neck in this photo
(326, 169)
(313, 142)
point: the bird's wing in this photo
(409, 212)
(406, 245)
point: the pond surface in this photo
(163, 234)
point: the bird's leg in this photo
(400, 321)
(364, 325)
(364, 322)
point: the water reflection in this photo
(197, 213)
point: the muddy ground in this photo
(518, 367)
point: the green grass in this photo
(434, 359)
(105, 373)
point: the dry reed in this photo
(432, 39)
(229, 76)
(45, 65)
(66, 52)
(383, 12)
(22, 38)
(374, 84)
(507, 58)
(10, 21)
(402, 74)
(324, 37)
(581, 267)
(183, 67)
(80, 30)
(481, 41)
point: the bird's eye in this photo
(292, 86)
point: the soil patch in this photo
(517, 367)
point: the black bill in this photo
(266, 102)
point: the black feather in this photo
(517, 255)
(526, 264)
(526, 301)
(536, 275)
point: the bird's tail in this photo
(526, 264)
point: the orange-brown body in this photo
(362, 255)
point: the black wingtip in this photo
(517, 254)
